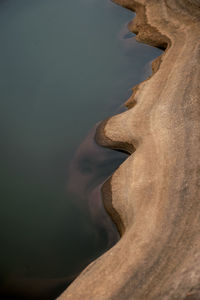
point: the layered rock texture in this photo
(154, 196)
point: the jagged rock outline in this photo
(189, 288)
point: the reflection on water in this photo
(89, 169)
(64, 66)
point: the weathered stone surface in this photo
(154, 196)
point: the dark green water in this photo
(64, 66)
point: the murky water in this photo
(64, 66)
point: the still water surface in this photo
(64, 66)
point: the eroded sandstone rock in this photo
(154, 196)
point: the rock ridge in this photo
(154, 196)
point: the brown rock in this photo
(154, 196)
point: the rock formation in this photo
(154, 196)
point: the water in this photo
(64, 66)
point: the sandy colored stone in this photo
(154, 196)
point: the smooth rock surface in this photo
(154, 196)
